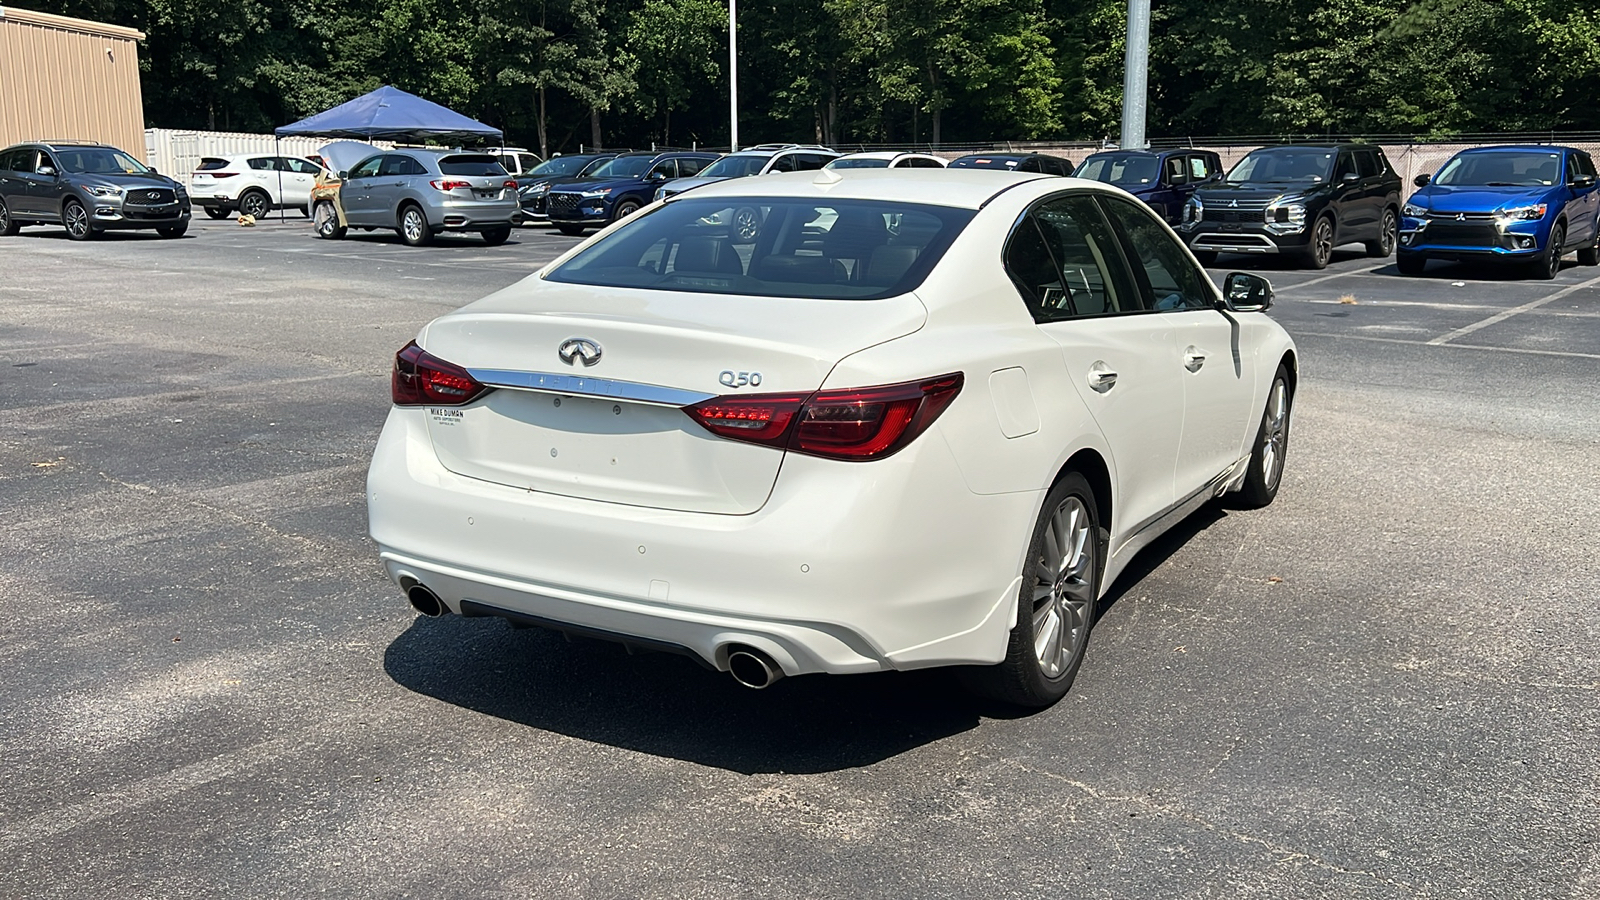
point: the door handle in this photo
(1101, 378)
(1193, 359)
(398, 184)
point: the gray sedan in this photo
(420, 193)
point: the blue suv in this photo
(1163, 179)
(1519, 205)
(618, 187)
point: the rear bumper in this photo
(841, 571)
(465, 215)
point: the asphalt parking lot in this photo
(1385, 685)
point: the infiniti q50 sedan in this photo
(919, 421)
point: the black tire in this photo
(624, 209)
(1060, 594)
(76, 220)
(494, 237)
(413, 226)
(573, 230)
(1388, 236)
(1271, 450)
(325, 221)
(255, 203)
(1319, 252)
(1548, 265)
(217, 212)
(1590, 255)
(1206, 258)
(1410, 263)
(173, 231)
(8, 225)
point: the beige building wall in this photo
(69, 80)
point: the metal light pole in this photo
(733, 75)
(1135, 75)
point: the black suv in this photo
(1300, 200)
(1015, 162)
(88, 188)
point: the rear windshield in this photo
(211, 162)
(864, 163)
(772, 247)
(1502, 169)
(1123, 170)
(473, 164)
(623, 167)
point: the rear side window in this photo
(811, 161)
(211, 163)
(1167, 279)
(1083, 259)
(826, 249)
(471, 164)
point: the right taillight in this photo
(422, 379)
(856, 424)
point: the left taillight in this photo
(857, 424)
(422, 379)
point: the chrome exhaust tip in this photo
(425, 601)
(752, 668)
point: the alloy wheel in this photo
(746, 223)
(1558, 236)
(254, 205)
(77, 220)
(1063, 590)
(413, 225)
(324, 219)
(1390, 226)
(1275, 437)
(5, 218)
(1322, 244)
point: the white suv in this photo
(515, 160)
(763, 159)
(252, 184)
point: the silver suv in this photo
(420, 193)
(88, 188)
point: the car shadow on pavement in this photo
(670, 706)
(1149, 559)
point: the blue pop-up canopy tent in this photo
(391, 114)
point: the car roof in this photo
(959, 188)
(1523, 148)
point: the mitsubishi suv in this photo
(1299, 201)
(88, 188)
(1514, 205)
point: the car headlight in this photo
(1414, 208)
(1287, 210)
(1193, 210)
(542, 187)
(103, 191)
(1521, 213)
(589, 195)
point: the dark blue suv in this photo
(1522, 205)
(1163, 179)
(618, 187)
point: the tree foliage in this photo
(557, 73)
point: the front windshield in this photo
(562, 165)
(100, 161)
(1501, 170)
(623, 167)
(1284, 165)
(858, 163)
(827, 249)
(1131, 169)
(734, 167)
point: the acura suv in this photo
(1299, 201)
(88, 188)
(1512, 205)
(420, 193)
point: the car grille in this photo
(563, 204)
(1229, 214)
(1461, 234)
(148, 197)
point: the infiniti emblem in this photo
(576, 350)
(154, 195)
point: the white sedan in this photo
(914, 422)
(252, 184)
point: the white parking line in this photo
(1499, 317)
(1435, 343)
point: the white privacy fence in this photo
(177, 153)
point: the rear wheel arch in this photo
(1092, 466)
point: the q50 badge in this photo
(739, 379)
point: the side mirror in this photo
(47, 171)
(1583, 181)
(344, 175)
(1422, 180)
(1349, 177)
(153, 170)
(1246, 292)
